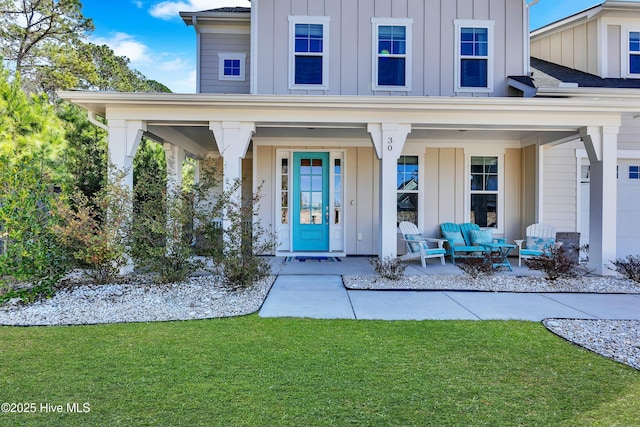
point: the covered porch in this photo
(368, 135)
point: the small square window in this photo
(634, 172)
(231, 66)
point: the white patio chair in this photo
(418, 245)
(540, 238)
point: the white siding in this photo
(560, 186)
(350, 50)
(575, 47)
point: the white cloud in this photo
(175, 72)
(126, 45)
(170, 9)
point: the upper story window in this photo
(308, 57)
(392, 54)
(231, 66)
(474, 56)
(634, 53)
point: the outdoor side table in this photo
(503, 250)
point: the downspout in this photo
(94, 120)
(527, 41)
(194, 20)
(253, 25)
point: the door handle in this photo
(326, 213)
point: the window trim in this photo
(396, 22)
(626, 53)
(223, 56)
(321, 20)
(489, 25)
(500, 210)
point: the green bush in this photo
(162, 229)
(95, 233)
(32, 261)
(245, 239)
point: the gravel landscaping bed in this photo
(496, 283)
(199, 297)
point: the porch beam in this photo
(388, 140)
(601, 144)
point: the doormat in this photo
(313, 259)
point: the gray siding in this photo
(210, 45)
(350, 50)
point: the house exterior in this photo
(593, 52)
(355, 115)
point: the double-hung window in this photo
(231, 66)
(634, 54)
(391, 54)
(485, 185)
(474, 56)
(407, 181)
(308, 57)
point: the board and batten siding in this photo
(575, 47)
(211, 44)
(350, 47)
(560, 186)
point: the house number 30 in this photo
(390, 144)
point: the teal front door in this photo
(311, 202)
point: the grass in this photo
(253, 371)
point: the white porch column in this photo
(174, 156)
(123, 140)
(388, 140)
(601, 144)
(233, 140)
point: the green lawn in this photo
(253, 371)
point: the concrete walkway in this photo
(324, 297)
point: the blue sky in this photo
(158, 43)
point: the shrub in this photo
(555, 264)
(162, 229)
(32, 260)
(477, 266)
(95, 232)
(244, 238)
(629, 267)
(391, 268)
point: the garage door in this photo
(628, 207)
(628, 221)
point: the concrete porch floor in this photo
(357, 265)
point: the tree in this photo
(34, 33)
(113, 72)
(32, 173)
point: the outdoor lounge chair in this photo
(465, 240)
(540, 238)
(418, 245)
